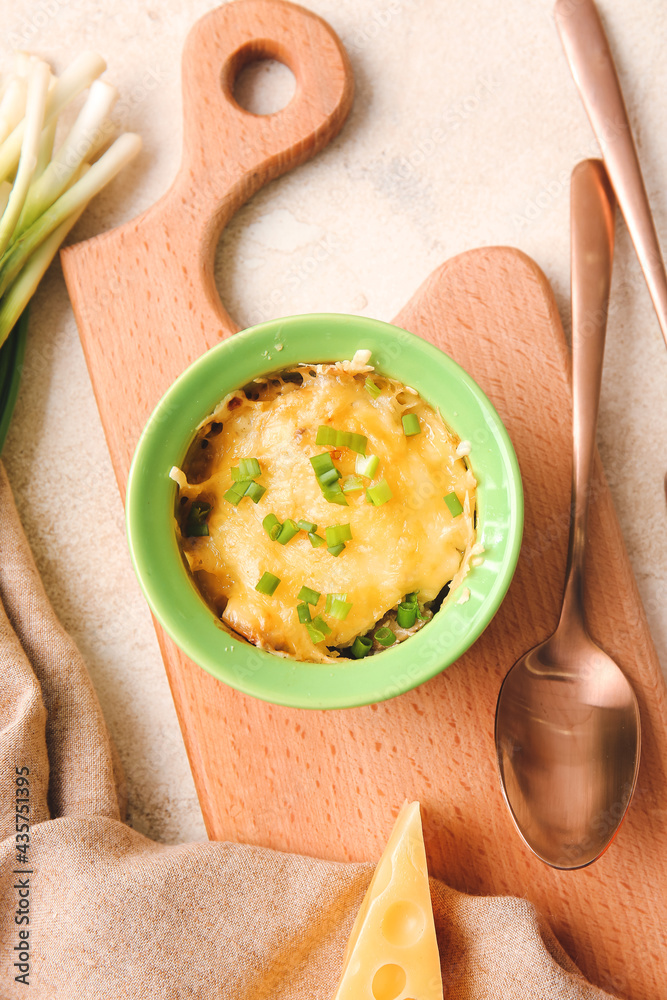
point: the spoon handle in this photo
(592, 208)
(592, 65)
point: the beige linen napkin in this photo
(114, 915)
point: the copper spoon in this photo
(592, 65)
(567, 721)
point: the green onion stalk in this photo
(42, 192)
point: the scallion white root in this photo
(76, 78)
(22, 61)
(38, 86)
(77, 147)
(45, 152)
(41, 194)
(47, 139)
(12, 108)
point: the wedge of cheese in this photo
(392, 953)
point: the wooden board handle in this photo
(229, 152)
(162, 262)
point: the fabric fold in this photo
(75, 727)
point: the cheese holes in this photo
(379, 883)
(403, 924)
(388, 982)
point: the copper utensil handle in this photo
(592, 65)
(592, 212)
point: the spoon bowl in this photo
(567, 721)
(568, 748)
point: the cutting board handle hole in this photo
(258, 78)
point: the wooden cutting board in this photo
(330, 783)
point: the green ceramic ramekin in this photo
(151, 495)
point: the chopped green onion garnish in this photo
(454, 504)
(406, 614)
(330, 599)
(237, 491)
(340, 609)
(303, 612)
(336, 550)
(272, 526)
(321, 625)
(371, 387)
(329, 477)
(366, 465)
(316, 540)
(338, 533)
(385, 636)
(322, 463)
(361, 647)
(195, 524)
(255, 491)
(249, 468)
(314, 633)
(335, 495)
(317, 629)
(267, 584)
(308, 596)
(355, 442)
(326, 435)
(193, 530)
(352, 483)
(236, 474)
(289, 529)
(239, 487)
(306, 526)
(379, 493)
(411, 424)
(412, 599)
(341, 439)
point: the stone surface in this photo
(465, 129)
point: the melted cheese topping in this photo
(411, 543)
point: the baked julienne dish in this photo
(326, 511)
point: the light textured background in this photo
(355, 230)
